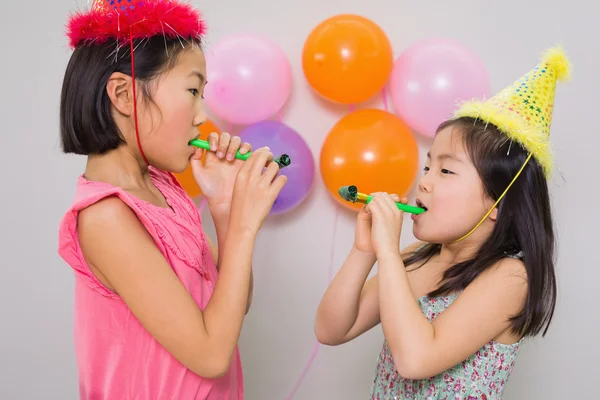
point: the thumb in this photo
(196, 159)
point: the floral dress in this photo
(480, 377)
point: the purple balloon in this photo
(281, 139)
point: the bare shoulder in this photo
(504, 285)
(109, 212)
(507, 271)
(110, 235)
(411, 248)
(108, 224)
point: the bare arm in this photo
(350, 307)
(118, 247)
(421, 349)
(215, 255)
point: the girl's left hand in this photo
(217, 176)
(386, 223)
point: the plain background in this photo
(37, 359)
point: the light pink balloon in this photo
(431, 78)
(249, 79)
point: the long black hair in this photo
(524, 224)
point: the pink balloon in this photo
(431, 78)
(249, 79)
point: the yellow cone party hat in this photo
(523, 110)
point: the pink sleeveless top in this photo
(117, 358)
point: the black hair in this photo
(524, 224)
(86, 123)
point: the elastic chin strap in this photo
(137, 133)
(497, 201)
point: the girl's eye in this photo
(426, 169)
(445, 171)
(194, 92)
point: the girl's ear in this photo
(120, 91)
(494, 214)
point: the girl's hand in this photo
(255, 191)
(216, 177)
(386, 223)
(362, 234)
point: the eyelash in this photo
(194, 92)
(443, 170)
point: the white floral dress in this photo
(480, 377)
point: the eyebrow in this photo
(445, 156)
(199, 75)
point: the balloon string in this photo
(315, 349)
(385, 99)
(313, 354)
(202, 205)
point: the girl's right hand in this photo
(362, 235)
(255, 191)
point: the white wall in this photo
(291, 266)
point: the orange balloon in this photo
(186, 178)
(347, 59)
(372, 149)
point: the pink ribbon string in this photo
(385, 99)
(202, 205)
(315, 350)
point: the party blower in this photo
(351, 193)
(283, 160)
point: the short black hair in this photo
(86, 123)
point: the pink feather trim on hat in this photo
(122, 20)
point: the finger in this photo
(223, 144)
(363, 209)
(277, 185)
(388, 200)
(385, 202)
(270, 174)
(247, 166)
(258, 160)
(245, 148)
(374, 211)
(396, 199)
(378, 197)
(234, 146)
(196, 161)
(364, 214)
(198, 153)
(391, 199)
(373, 206)
(213, 140)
